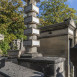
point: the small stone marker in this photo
(1, 37)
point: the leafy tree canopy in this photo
(55, 11)
(11, 20)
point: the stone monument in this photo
(32, 59)
(32, 32)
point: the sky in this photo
(72, 4)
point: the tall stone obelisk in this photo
(32, 32)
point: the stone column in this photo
(32, 32)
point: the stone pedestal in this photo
(50, 66)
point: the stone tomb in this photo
(57, 39)
(14, 70)
(32, 58)
(50, 66)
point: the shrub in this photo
(4, 46)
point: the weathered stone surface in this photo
(50, 66)
(13, 53)
(31, 26)
(2, 62)
(54, 33)
(54, 46)
(31, 8)
(32, 1)
(16, 44)
(31, 55)
(32, 31)
(32, 43)
(34, 37)
(73, 55)
(55, 41)
(31, 19)
(31, 49)
(14, 70)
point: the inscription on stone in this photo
(31, 7)
(32, 31)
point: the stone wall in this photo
(54, 46)
(60, 69)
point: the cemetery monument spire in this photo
(32, 32)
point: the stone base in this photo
(30, 55)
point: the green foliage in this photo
(4, 46)
(11, 20)
(55, 11)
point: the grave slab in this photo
(15, 70)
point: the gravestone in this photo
(50, 66)
(15, 44)
(15, 47)
(57, 39)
